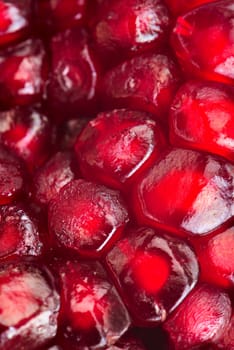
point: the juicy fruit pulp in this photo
(116, 175)
(150, 271)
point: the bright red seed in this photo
(23, 74)
(150, 271)
(216, 258)
(91, 311)
(202, 117)
(12, 177)
(87, 217)
(29, 301)
(185, 192)
(210, 58)
(118, 145)
(154, 273)
(27, 132)
(146, 83)
(15, 20)
(200, 319)
(19, 234)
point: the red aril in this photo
(185, 192)
(23, 74)
(15, 20)
(200, 319)
(203, 41)
(74, 75)
(118, 145)
(27, 132)
(129, 26)
(86, 217)
(52, 176)
(154, 273)
(181, 6)
(29, 306)
(202, 117)
(19, 233)
(146, 83)
(12, 177)
(216, 258)
(92, 312)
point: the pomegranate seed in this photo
(18, 232)
(153, 272)
(116, 146)
(200, 319)
(180, 6)
(50, 178)
(205, 47)
(74, 75)
(60, 14)
(202, 118)
(147, 82)
(27, 132)
(29, 306)
(185, 192)
(130, 26)
(23, 74)
(216, 258)
(92, 311)
(11, 177)
(87, 217)
(15, 20)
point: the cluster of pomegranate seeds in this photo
(116, 175)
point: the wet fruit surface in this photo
(116, 146)
(146, 82)
(27, 132)
(200, 319)
(11, 175)
(87, 217)
(130, 26)
(15, 20)
(29, 302)
(201, 117)
(19, 233)
(74, 75)
(116, 175)
(91, 307)
(184, 192)
(154, 273)
(23, 70)
(211, 58)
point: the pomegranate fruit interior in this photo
(116, 175)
